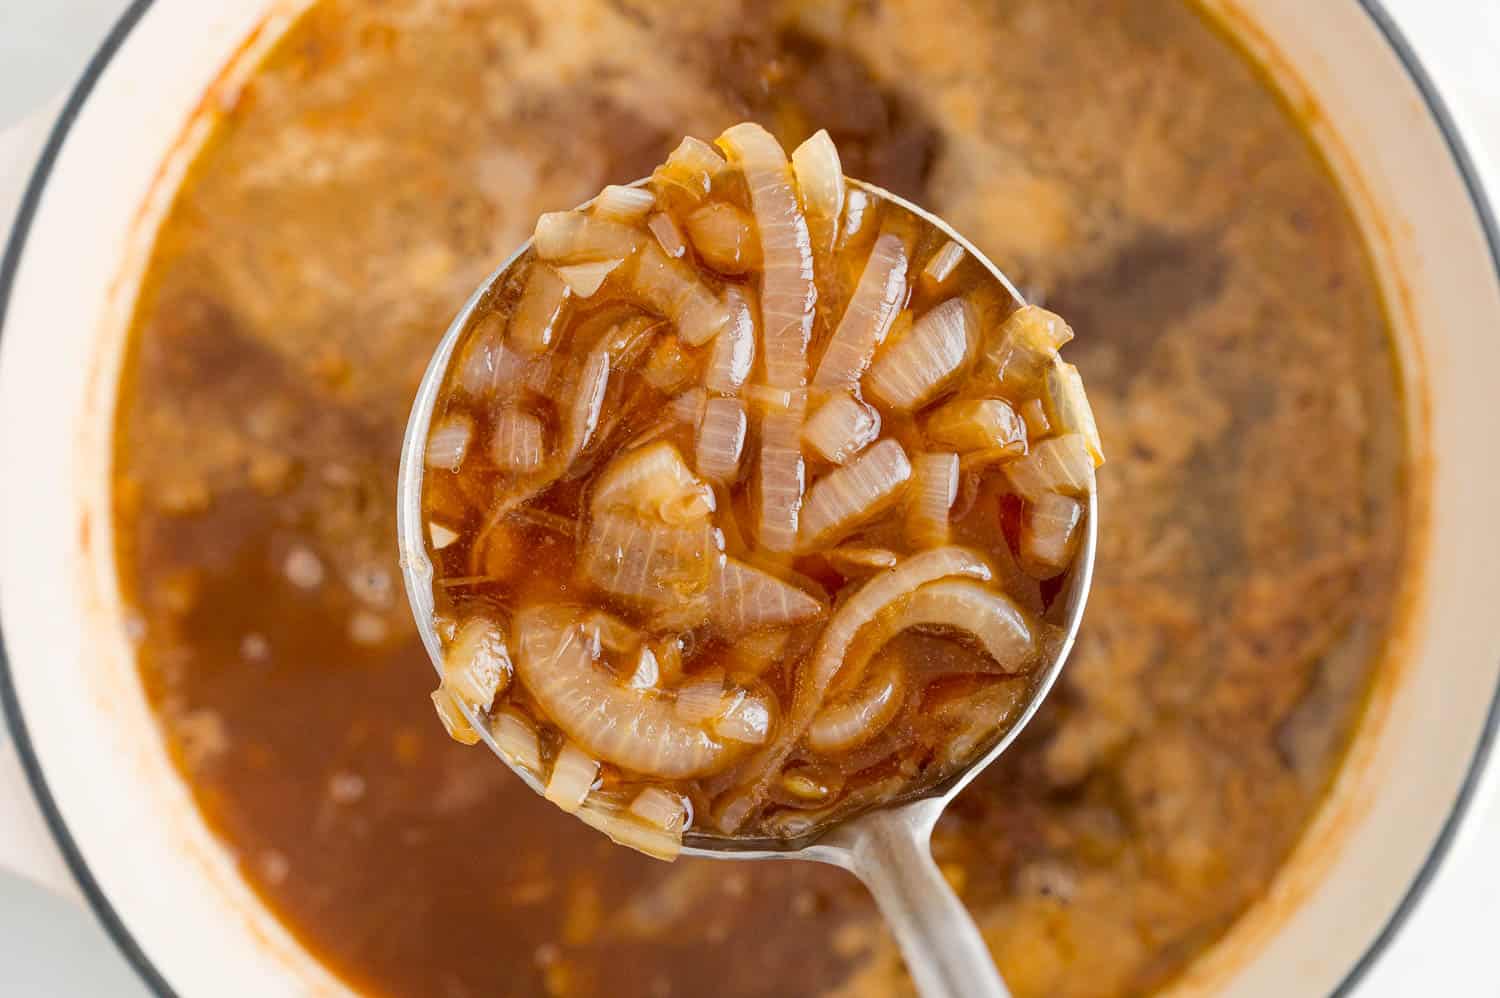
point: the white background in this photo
(49, 946)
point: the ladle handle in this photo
(892, 854)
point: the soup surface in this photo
(1119, 159)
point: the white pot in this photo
(167, 889)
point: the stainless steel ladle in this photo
(888, 848)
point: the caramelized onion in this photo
(573, 776)
(850, 560)
(584, 279)
(668, 235)
(745, 599)
(820, 181)
(662, 809)
(671, 288)
(1049, 534)
(476, 662)
(782, 476)
(654, 482)
(936, 487)
(701, 698)
(582, 417)
(650, 564)
(691, 167)
(849, 496)
(852, 720)
(877, 299)
(454, 723)
(734, 348)
(841, 428)
(916, 367)
(1020, 349)
(573, 237)
(969, 609)
(517, 443)
(942, 265)
(724, 237)
(721, 439)
(449, 442)
(624, 204)
(517, 740)
(977, 424)
(1068, 408)
(1061, 464)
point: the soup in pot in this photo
(1122, 161)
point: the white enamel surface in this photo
(177, 890)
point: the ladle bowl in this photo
(888, 847)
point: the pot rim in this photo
(114, 925)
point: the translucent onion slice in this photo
(746, 718)
(573, 776)
(915, 368)
(517, 443)
(755, 652)
(820, 181)
(745, 599)
(841, 428)
(636, 730)
(942, 265)
(1021, 347)
(721, 439)
(454, 723)
(854, 494)
(573, 237)
(936, 488)
(970, 610)
(651, 565)
(977, 424)
(630, 833)
(668, 235)
(724, 237)
(781, 477)
(1035, 416)
(1049, 534)
(653, 482)
(877, 299)
(1061, 464)
(853, 720)
(449, 442)
(624, 204)
(584, 279)
(671, 288)
(538, 316)
(691, 167)
(1068, 408)
(848, 560)
(662, 809)
(734, 348)
(669, 368)
(787, 295)
(517, 740)
(582, 418)
(476, 663)
(647, 672)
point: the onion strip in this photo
(873, 307)
(913, 369)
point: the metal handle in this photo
(891, 852)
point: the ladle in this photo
(889, 847)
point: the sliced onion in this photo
(441, 536)
(610, 632)
(630, 833)
(942, 265)
(1021, 347)
(1061, 464)
(721, 439)
(873, 307)
(647, 672)
(449, 442)
(624, 204)
(583, 413)
(971, 610)
(701, 698)
(636, 730)
(517, 740)
(670, 367)
(734, 348)
(781, 476)
(517, 443)
(573, 237)
(915, 368)
(927, 519)
(1068, 408)
(820, 181)
(724, 237)
(977, 424)
(451, 715)
(584, 279)
(573, 776)
(1035, 416)
(671, 288)
(538, 315)
(745, 718)
(691, 167)
(787, 295)
(861, 210)
(668, 235)
(662, 809)
(1049, 534)
(841, 428)
(688, 407)
(746, 599)
(755, 652)
(476, 663)
(859, 559)
(853, 720)
(654, 482)
(651, 565)
(849, 496)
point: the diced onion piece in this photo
(573, 776)
(772, 399)
(841, 428)
(573, 237)
(650, 564)
(781, 477)
(671, 288)
(820, 181)
(724, 237)
(1068, 408)
(702, 698)
(451, 715)
(861, 210)
(662, 809)
(687, 408)
(942, 265)
(745, 599)
(849, 496)
(655, 482)
(517, 443)
(734, 348)
(633, 729)
(1035, 416)
(1049, 534)
(691, 167)
(1061, 464)
(668, 235)
(915, 368)
(867, 320)
(936, 488)
(583, 279)
(517, 740)
(977, 424)
(861, 559)
(632, 834)
(441, 536)
(624, 204)
(787, 294)
(670, 367)
(538, 315)
(745, 718)
(449, 442)
(1019, 350)
(721, 439)
(476, 663)
(853, 720)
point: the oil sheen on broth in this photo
(1121, 161)
(702, 456)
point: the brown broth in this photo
(1120, 160)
